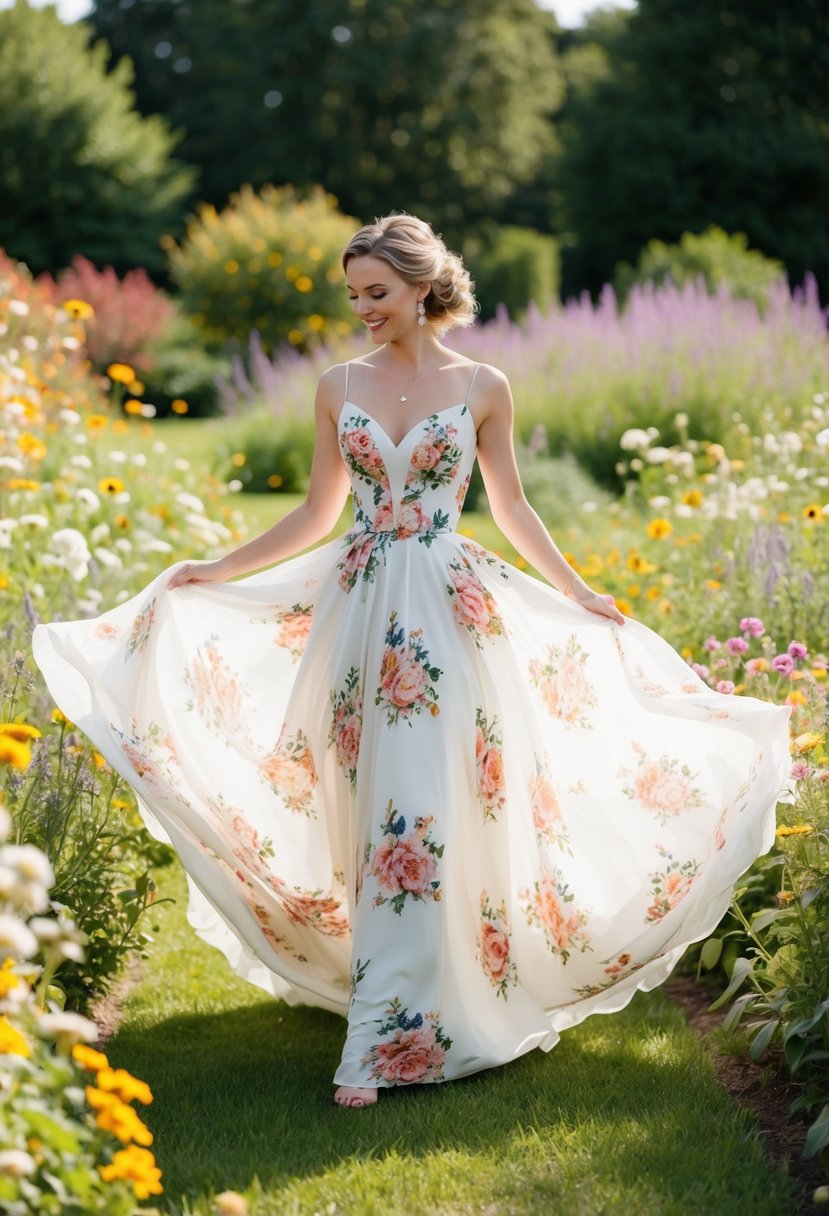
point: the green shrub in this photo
(269, 262)
(513, 266)
(277, 452)
(184, 369)
(722, 259)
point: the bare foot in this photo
(349, 1096)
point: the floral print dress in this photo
(417, 786)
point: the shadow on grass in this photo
(248, 1093)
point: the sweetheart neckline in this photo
(397, 446)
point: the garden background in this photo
(641, 201)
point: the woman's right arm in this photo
(328, 486)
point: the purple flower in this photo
(784, 663)
(797, 650)
(701, 670)
(725, 686)
(800, 770)
(752, 626)
(737, 645)
(712, 643)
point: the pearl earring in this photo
(421, 308)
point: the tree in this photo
(705, 114)
(80, 170)
(439, 108)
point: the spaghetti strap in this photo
(471, 382)
(345, 390)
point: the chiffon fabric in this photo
(414, 785)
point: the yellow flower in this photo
(96, 422)
(8, 979)
(295, 336)
(634, 590)
(316, 322)
(179, 406)
(784, 517)
(79, 309)
(687, 652)
(304, 283)
(111, 485)
(87, 1057)
(625, 607)
(806, 741)
(813, 511)
(659, 529)
(819, 673)
(136, 388)
(21, 731)
(121, 372)
(123, 1122)
(693, 498)
(796, 829)
(795, 698)
(666, 607)
(22, 483)
(238, 458)
(137, 1166)
(132, 406)
(122, 521)
(32, 445)
(125, 1085)
(231, 266)
(713, 585)
(785, 897)
(18, 755)
(12, 1042)
(275, 481)
(653, 593)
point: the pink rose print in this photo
(411, 520)
(435, 458)
(474, 606)
(290, 770)
(294, 628)
(489, 764)
(616, 969)
(547, 818)
(347, 723)
(404, 865)
(661, 786)
(414, 1052)
(494, 947)
(363, 452)
(407, 679)
(670, 886)
(547, 908)
(563, 684)
(141, 628)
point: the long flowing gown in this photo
(412, 784)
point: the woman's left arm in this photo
(511, 511)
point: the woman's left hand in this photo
(602, 605)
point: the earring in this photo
(421, 309)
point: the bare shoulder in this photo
(492, 396)
(331, 392)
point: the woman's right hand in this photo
(199, 572)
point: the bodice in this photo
(413, 488)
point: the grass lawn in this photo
(623, 1116)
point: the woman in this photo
(409, 782)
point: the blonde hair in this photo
(419, 255)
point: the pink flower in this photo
(797, 650)
(784, 663)
(725, 686)
(755, 667)
(701, 670)
(411, 519)
(661, 788)
(402, 679)
(470, 600)
(491, 773)
(405, 865)
(348, 742)
(800, 770)
(752, 626)
(737, 645)
(712, 643)
(426, 455)
(495, 951)
(362, 449)
(383, 517)
(409, 1056)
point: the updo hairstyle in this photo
(418, 255)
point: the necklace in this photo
(403, 396)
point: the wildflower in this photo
(795, 698)
(12, 1042)
(737, 645)
(137, 1166)
(179, 406)
(797, 829)
(122, 373)
(21, 731)
(18, 755)
(15, 1163)
(712, 584)
(88, 1058)
(633, 439)
(798, 650)
(22, 483)
(693, 498)
(752, 626)
(783, 663)
(701, 670)
(67, 1028)
(132, 406)
(116, 1117)
(711, 643)
(725, 686)
(124, 1085)
(799, 770)
(8, 979)
(806, 741)
(111, 485)
(813, 511)
(659, 529)
(755, 666)
(96, 422)
(16, 938)
(78, 309)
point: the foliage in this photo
(723, 261)
(128, 314)
(81, 172)
(705, 116)
(444, 105)
(68, 1149)
(184, 371)
(269, 262)
(511, 267)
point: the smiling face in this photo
(384, 302)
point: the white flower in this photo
(139, 458)
(147, 410)
(72, 548)
(88, 498)
(659, 501)
(81, 461)
(117, 456)
(11, 462)
(124, 496)
(18, 308)
(190, 501)
(16, 938)
(70, 417)
(236, 485)
(107, 558)
(681, 420)
(34, 521)
(633, 439)
(5, 823)
(683, 511)
(30, 862)
(80, 438)
(770, 444)
(71, 343)
(159, 446)
(15, 1162)
(67, 1028)
(822, 438)
(99, 533)
(122, 544)
(658, 455)
(589, 507)
(791, 442)
(181, 463)
(29, 341)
